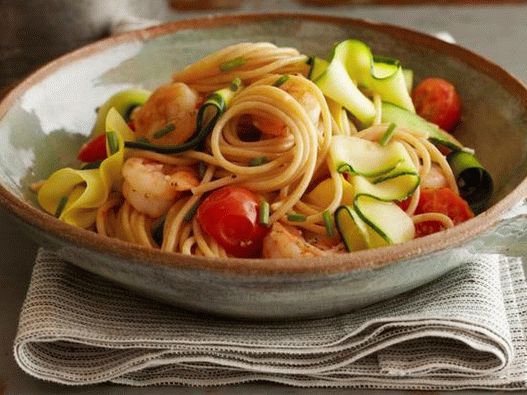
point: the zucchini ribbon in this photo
(378, 176)
(352, 65)
(473, 180)
(75, 195)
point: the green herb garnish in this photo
(232, 64)
(328, 223)
(264, 213)
(281, 80)
(386, 137)
(164, 131)
(235, 84)
(113, 142)
(296, 217)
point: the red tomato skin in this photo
(230, 216)
(441, 200)
(437, 101)
(93, 150)
(404, 204)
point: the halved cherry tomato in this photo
(230, 216)
(437, 101)
(93, 150)
(441, 200)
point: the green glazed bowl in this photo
(44, 121)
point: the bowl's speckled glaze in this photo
(47, 117)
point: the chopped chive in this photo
(164, 131)
(258, 161)
(235, 84)
(264, 213)
(60, 207)
(202, 168)
(232, 64)
(192, 211)
(281, 80)
(92, 165)
(328, 223)
(296, 217)
(142, 140)
(387, 135)
(113, 142)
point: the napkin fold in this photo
(465, 330)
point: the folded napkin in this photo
(465, 330)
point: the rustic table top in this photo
(32, 33)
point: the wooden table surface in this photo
(32, 33)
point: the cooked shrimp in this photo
(306, 100)
(275, 127)
(287, 242)
(434, 179)
(152, 187)
(171, 104)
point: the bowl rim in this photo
(366, 259)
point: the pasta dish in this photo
(261, 151)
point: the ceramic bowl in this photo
(48, 116)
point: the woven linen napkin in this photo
(465, 330)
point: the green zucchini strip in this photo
(398, 187)
(363, 157)
(351, 65)
(387, 136)
(353, 231)
(474, 181)
(208, 115)
(386, 219)
(406, 119)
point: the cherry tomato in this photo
(131, 125)
(404, 204)
(230, 216)
(437, 101)
(441, 200)
(93, 150)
